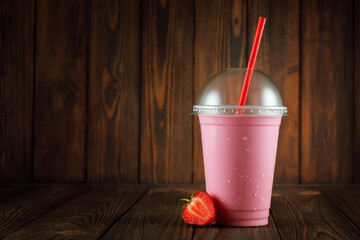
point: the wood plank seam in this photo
(194, 98)
(193, 233)
(247, 31)
(356, 93)
(300, 90)
(87, 86)
(140, 89)
(125, 212)
(33, 99)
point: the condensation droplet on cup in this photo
(228, 181)
(269, 187)
(235, 169)
(261, 154)
(262, 176)
(222, 200)
(255, 209)
(262, 199)
(244, 139)
(257, 186)
(269, 148)
(247, 150)
(249, 179)
(218, 150)
(255, 194)
(242, 176)
(229, 139)
(239, 198)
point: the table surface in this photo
(44, 211)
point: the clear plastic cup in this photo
(239, 145)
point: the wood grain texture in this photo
(279, 58)
(222, 232)
(16, 89)
(145, 62)
(305, 213)
(156, 216)
(60, 91)
(327, 91)
(220, 42)
(347, 199)
(25, 206)
(113, 134)
(356, 139)
(154, 212)
(166, 99)
(86, 216)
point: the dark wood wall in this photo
(101, 91)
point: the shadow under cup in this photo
(239, 160)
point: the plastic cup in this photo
(239, 146)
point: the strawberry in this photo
(199, 210)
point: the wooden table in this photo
(154, 212)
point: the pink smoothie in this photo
(239, 159)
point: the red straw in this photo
(252, 60)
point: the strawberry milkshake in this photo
(239, 146)
(239, 158)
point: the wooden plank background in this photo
(60, 90)
(166, 91)
(327, 71)
(113, 108)
(16, 90)
(101, 91)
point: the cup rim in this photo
(235, 110)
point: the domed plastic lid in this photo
(220, 95)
